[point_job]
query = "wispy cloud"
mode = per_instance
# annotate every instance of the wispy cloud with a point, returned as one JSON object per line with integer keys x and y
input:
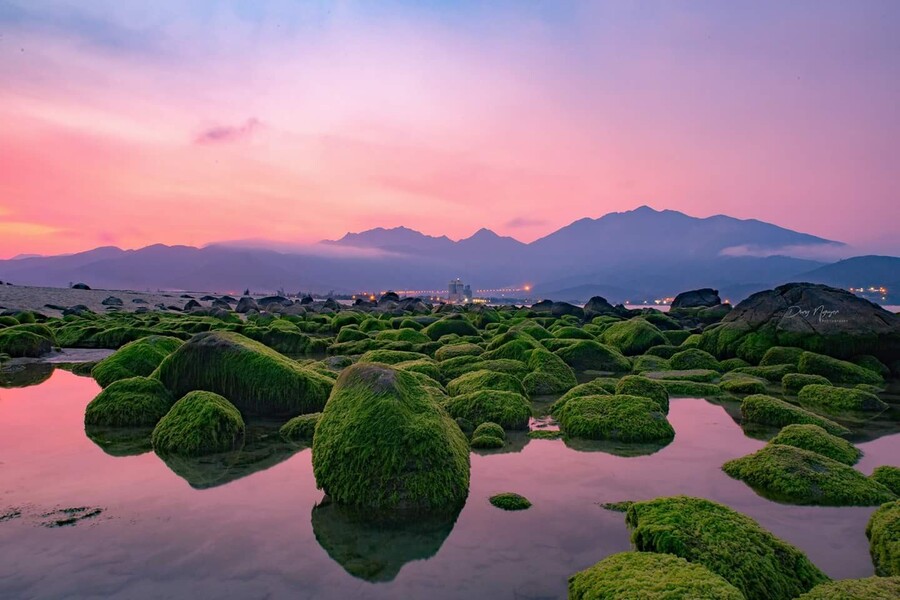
{"x": 521, "y": 222}
{"x": 224, "y": 134}
{"x": 828, "y": 251}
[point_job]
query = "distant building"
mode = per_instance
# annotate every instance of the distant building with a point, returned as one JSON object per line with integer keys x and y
{"x": 458, "y": 292}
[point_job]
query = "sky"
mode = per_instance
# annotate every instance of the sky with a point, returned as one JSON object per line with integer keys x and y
{"x": 133, "y": 123}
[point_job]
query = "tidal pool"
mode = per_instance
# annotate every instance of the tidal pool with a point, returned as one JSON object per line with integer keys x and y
{"x": 108, "y": 518}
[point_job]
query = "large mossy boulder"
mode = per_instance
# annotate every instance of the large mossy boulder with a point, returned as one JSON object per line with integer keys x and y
{"x": 18, "y": 342}
{"x": 384, "y": 444}
{"x": 796, "y": 476}
{"x": 870, "y": 588}
{"x": 509, "y": 409}
{"x": 815, "y": 439}
{"x": 132, "y": 402}
{"x": 199, "y": 423}
{"x": 649, "y": 576}
{"x": 451, "y": 324}
{"x": 883, "y": 531}
{"x": 836, "y": 370}
{"x": 814, "y": 317}
{"x": 693, "y": 358}
{"x": 135, "y": 359}
{"x": 255, "y": 378}
{"x": 768, "y": 410}
{"x": 635, "y": 385}
{"x": 455, "y": 350}
{"x": 634, "y": 336}
{"x": 830, "y": 398}
{"x": 888, "y": 476}
{"x": 794, "y": 382}
{"x": 549, "y": 374}
{"x": 586, "y": 355}
{"x": 726, "y": 542}
{"x": 619, "y": 418}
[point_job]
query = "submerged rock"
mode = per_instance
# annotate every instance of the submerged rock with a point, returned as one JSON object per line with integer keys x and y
{"x": 416, "y": 457}
{"x": 200, "y": 423}
{"x": 726, "y": 542}
{"x": 649, "y": 576}
{"x": 510, "y": 501}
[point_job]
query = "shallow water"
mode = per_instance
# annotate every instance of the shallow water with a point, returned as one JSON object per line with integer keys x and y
{"x": 256, "y": 536}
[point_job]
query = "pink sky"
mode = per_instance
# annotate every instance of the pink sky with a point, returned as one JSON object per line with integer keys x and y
{"x": 130, "y": 126}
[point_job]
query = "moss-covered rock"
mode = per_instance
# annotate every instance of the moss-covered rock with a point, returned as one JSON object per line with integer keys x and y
{"x": 350, "y": 334}
{"x": 693, "y": 358}
{"x": 510, "y": 501}
{"x": 383, "y": 443}
{"x": 794, "y": 382}
{"x": 510, "y": 409}
{"x": 135, "y": 359}
{"x": 649, "y": 576}
{"x": 549, "y": 374}
{"x": 648, "y": 362}
{"x": 301, "y": 428}
{"x": 403, "y": 335}
{"x": 767, "y": 410}
{"x": 635, "y": 385}
{"x": 835, "y": 370}
{"x": 17, "y": 342}
{"x": 452, "y": 324}
{"x": 739, "y": 383}
{"x": 454, "y": 350}
{"x": 132, "y": 402}
{"x": 619, "y": 418}
{"x": 774, "y": 373}
{"x": 797, "y": 476}
{"x": 870, "y": 588}
{"x": 601, "y": 386}
{"x": 484, "y": 380}
{"x": 486, "y": 442}
{"x": 199, "y": 423}
{"x": 390, "y": 357}
{"x": 781, "y": 355}
{"x": 255, "y": 378}
{"x": 489, "y": 429}
{"x": 697, "y": 375}
{"x": 883, "y": 531}
{"x": 572, "y": 333}
{"x": 888, "y": 476}
{"x": 833, "y": 398}
{"x": 815, "y": 439}
{"x": 691, "y": 389}
{"x": 730, "y": 364}
{"x": 726, "y": 542}
{"x": 634, "y": 336}
{"x": 586, "y": 355}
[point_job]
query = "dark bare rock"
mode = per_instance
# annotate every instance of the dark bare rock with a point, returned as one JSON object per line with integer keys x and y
{"x": 557, "y": 309}
{"x": 598, "y": 305}
{"x": 306, "y": 300}
{"x": 81, "y": 286}
{"x": 77, "y": 310}
{"x": 112, "y": 301}
{"x": 191, "y": 304}
{"x": 246, "y": 304}
{"x": 697, "y": 298}
{"x": 139, "y": 301}
{"x": 389, "y": 297}
{"x": 267, "y": 301}
{"x": 218, "y": 303}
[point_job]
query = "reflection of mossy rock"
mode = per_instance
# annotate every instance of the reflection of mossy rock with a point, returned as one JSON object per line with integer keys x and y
{"x": 620, "y": 418}
{"x": 509, "y": 409}
{"x": 199, "y": 423}
{"x": 833, "y": 398}
{"x": 835, "y": 370}
{"x": 870, "y": 588}
{"x": 586, "y": 355}
{"x": 255, "y": 378}
{"x": 767, "y": 410}
{"x": 797, "y": 476}
{"x": 135, "y": 359}
{"x": 384, "y": 443}
{"x": 120, "y": 441}
{"x": 883, "y": 531}
{"x": 375, "y": 549}
{"x": 888, "y": 476}
{"x": 484, "y": 380}
{"x": 794, "y": 382}
{"x": 131, "y": 402}
{"x": 24, "y": 375}
{"x": 815, "y": 439}
{"x": 649, "y": 576}
{"x": 634, "y": 336}
{"x": 301, "y": 428}
{"x": 510, "y": 501}
{"x": 635, "y": 385}
{"x": 724, "y": 541}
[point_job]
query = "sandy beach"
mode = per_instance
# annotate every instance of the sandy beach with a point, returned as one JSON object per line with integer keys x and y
{"x": 46, "y": 299}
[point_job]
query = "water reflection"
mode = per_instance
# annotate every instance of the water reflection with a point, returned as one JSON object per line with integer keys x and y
{"x": 24, "y": 375}
{"x": 374, "y": 548}
{"x": 624, "y": 449}
{"x": 120, "y": 441}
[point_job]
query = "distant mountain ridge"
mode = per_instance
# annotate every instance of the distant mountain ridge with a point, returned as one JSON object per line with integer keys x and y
{"x": 633, "y": 255}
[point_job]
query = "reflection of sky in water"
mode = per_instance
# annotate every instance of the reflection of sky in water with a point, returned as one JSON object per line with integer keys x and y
{"x": 253, "y": 537}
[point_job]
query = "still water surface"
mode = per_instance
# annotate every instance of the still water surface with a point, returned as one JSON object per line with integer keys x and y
{"x": 257, "y": 536}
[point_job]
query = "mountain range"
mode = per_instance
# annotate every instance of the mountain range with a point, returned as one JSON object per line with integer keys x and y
{"x": 633, "y": 255}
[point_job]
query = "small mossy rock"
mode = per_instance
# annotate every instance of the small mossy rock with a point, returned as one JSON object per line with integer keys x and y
{"x": 390, "y": 357}
{"x": 17, "y": 343}
{"x": 510, "y": 501}
{"x": 135, "y": 359}
{"x": 815, "y": 439}
{"x": 301, "y": 428}
{"x": 634, "y": 336}
{"x": 586, "y": 355}
{"x": 889, "y": 477}
{"x": 619, "y": 418}
{"x": 743, "y": 384}
{"x": 794, "y": 382}
{"x": 453, "y": 324}
{"x": 454, "y": 350}
{"x": 199, "y": 423}
{"x": 833, "y": 398}
{"x": 635, "y": 385}
{"x": 835, "y": 370}
{"x": 649, "y": 576}
{"x": 883, "y": 531}
{"x": 797, "y": 476}
{"x": 383, "y": 443}
{"x": 781, "y": 355}
{"x": 132, "y": 402}
{"x": 693, "y": 358}
{"x": 509, "y": 409}
{"x": 601, "y": 386}
{"x": 767, "y": 410}
{"x": 649, "y": 362}
{"x": 489, "y": 429}
{"x": 484, "y": 380}
{"x": 549, "y": 374}
{"x": 724, "y": 541}
{"x": 255, "y": 378}
{"x": 696, "y": 375}
{"x": 486, "y": 442}
{"x": 870, "y": 588}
